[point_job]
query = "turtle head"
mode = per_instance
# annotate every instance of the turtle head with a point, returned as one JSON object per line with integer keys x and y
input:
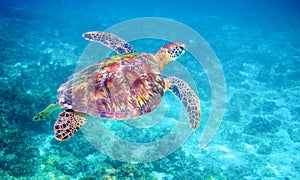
{"x": 170, "y": 52}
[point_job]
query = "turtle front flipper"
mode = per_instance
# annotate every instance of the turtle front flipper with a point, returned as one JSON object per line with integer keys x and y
{"x": 46, "y": 112}
{"x": 187, "y": 96}
{"x": 67, "y": 124}
{"x": 112, "y": 41}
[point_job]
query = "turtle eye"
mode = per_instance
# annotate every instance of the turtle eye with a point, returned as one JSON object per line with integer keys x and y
{"x": 181, "y": 47}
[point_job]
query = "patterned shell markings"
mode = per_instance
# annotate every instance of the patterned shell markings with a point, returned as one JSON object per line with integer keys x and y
{"x": 119, "y": 87}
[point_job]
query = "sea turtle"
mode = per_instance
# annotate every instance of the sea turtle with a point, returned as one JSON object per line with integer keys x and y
{"x": 121, "y": 87}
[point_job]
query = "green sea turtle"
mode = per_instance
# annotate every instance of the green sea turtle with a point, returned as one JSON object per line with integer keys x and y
{"x": 121, "y": 87}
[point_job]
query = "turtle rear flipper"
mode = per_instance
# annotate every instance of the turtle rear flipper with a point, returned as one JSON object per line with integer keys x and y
{"x": 46, "y": 112}
{"x": 67, "y": 124}
{"x": 112, "y": 41}
{"x": 188, "y": 97}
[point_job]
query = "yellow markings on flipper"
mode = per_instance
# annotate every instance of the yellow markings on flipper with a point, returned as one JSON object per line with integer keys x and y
{"x": 67, "y": 124}
{"x": 46, "y": 112}
{"x": 188, "y": 98}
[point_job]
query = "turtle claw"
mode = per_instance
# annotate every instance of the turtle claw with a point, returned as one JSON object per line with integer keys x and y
{"x": 67, "y": 124}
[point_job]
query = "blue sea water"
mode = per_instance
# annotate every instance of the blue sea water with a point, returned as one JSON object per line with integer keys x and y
{"x": 257, "y": 47}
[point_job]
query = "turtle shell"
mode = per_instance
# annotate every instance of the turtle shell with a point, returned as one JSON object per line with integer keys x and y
{"x": 120, "y": 87}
